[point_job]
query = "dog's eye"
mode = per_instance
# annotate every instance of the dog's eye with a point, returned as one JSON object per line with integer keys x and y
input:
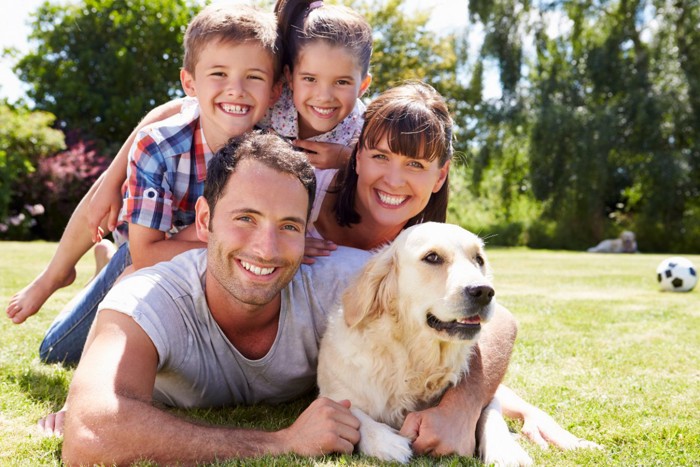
{"x": 433, "y": 258}
{"x": 480, "y": 260}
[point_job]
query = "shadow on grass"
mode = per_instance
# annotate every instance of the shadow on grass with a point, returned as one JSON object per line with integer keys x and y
{"x": 47, "y": 385}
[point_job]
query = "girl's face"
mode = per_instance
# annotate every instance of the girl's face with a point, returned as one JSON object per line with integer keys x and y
{"x": 325, "y": 83}
{"x": 392, "y": 188}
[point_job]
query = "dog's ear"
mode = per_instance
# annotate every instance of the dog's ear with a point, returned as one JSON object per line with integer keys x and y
{"x": 374, "y": 290}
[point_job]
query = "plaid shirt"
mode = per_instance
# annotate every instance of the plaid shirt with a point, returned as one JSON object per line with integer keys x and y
{"x": 166, "y": 172}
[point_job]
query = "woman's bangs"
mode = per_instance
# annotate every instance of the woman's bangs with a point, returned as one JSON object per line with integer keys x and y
{"x": 406, "y": 134}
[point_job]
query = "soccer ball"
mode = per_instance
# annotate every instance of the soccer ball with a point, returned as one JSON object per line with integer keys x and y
{"x": 676, "y": 274}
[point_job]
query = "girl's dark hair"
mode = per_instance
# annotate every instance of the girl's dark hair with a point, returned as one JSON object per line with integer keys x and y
{"x": 301, "y": 22}
{"x": 266, "y": 148}
{"x": 416, "y": 122}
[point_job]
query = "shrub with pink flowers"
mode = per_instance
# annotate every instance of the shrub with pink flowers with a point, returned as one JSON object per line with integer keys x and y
{"x": 59, "y": 184}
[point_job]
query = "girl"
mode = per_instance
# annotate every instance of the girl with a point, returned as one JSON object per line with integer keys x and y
{"x": 320, "y": 103}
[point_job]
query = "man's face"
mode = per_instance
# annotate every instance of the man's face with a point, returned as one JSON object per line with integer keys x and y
{"x": 256, "y": 235}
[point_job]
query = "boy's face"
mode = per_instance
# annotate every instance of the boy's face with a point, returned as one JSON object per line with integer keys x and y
{"x": 325, "y": 83}
{"x": 234, "y": 84}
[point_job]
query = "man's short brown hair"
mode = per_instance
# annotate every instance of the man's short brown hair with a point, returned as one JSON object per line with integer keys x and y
{"x": 267, "y": 148}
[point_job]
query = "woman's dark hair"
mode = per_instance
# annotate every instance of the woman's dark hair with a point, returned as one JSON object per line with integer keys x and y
{"x": 301, "y": 22}
{"x": 416, "y": 123}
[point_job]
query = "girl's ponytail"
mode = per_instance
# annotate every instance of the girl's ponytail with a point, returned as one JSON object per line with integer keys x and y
{"x": 300, "y": 22}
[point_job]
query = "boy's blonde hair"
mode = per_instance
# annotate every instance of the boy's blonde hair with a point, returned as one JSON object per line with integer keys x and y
{"x": 231, "y": 24}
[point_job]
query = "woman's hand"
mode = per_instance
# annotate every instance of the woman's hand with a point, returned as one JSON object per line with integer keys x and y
{"x": 324, "y": 155}
{"x": 316, "y": 247}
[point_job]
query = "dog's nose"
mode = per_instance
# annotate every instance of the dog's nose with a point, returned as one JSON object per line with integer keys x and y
{"x": 481, "y": 294}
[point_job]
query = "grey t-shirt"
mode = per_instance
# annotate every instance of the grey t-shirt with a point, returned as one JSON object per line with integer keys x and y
{"x": 197, "y": 365}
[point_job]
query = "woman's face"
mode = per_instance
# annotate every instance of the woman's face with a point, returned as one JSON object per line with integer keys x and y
{"x": 392, "y": 188}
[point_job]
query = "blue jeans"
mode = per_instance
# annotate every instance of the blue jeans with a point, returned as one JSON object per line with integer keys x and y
{"x": 65, "y": 339}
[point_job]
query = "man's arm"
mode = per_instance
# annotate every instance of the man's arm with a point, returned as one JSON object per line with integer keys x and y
{"x": 111, "y": 419}
{"x": 450, "y": 427}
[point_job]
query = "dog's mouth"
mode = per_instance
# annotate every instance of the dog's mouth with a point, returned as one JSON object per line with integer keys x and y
{"x": 465, "y": 328}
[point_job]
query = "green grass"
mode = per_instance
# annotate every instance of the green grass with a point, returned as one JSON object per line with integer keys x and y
{"x": 606, "y": 354}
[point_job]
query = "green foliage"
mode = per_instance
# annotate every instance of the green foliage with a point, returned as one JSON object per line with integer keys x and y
{"x": 99, "y": 65}
{"x": 404, "y": 48}
{"x": 25, "y": 138}
{"x": 607, "y": 109}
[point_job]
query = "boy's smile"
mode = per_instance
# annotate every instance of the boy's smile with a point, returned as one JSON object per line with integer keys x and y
{"x": 234, "y": 84}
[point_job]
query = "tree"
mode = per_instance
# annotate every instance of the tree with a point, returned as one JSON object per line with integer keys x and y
{"x": 608, "y": 105}
{"x": 100, "y": 65}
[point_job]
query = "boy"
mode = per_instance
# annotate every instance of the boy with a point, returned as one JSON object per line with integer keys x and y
{"x": 231, "y": 67}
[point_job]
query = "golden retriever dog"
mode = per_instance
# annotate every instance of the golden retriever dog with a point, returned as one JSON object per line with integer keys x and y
{"x": 404, "y": 334}
{"x": 626, "y": 243}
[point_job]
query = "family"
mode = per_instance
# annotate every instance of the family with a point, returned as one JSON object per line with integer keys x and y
{"x": 248, "y": 207}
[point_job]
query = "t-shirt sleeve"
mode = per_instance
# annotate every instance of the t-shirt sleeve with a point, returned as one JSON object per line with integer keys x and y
{"x": 149, "y": 195}
{"x": 155, "y": 311}
{"x": 329, "y": 276}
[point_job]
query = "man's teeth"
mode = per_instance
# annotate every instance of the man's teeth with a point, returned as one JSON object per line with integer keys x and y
{"x": 258, "y": 271}
{"x": 324, "y": 110}
{"x": 235, "y": 109}
{"x": 392, "y": 200}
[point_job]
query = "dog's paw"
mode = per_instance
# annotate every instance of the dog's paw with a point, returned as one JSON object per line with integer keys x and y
{"x": 385, "y": 444}
{"x": 381, "y": 441}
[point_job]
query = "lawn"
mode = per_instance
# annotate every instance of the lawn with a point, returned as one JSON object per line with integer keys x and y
{"x": 600, "y": 348}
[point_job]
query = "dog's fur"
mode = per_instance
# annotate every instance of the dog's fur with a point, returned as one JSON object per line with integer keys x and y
{"x": 405, "y": 334}
{"x": 626, "y": 243}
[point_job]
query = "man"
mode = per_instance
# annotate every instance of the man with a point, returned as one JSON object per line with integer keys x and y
{"x": 238, "y": 323}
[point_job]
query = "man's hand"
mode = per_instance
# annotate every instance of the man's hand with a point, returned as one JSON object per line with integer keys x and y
{"x": 441, "y": 431}
{"x": 52, "y": 424}
{"x": 324, "y": 427}
{"x": 324, "y": 155}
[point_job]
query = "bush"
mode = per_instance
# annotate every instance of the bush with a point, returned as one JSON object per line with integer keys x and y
{"x": 60, "y": 182}
{"x": 25, "y": 138}
{"x": 18, "y": 226}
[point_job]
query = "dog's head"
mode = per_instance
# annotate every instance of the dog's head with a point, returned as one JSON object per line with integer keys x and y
{"x": 433, "y": 276}
{"x": 629, "y": 242}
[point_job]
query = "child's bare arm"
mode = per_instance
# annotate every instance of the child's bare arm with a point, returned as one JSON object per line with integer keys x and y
{"x": 107, "y": 199}
{"x": 150, "y": 246}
